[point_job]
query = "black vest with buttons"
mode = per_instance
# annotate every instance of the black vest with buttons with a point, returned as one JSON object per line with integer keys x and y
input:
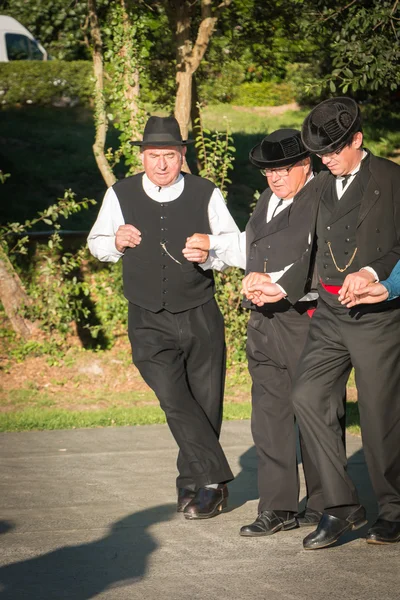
{"x": 337, "y": 224}
{"x": 273, "y": 246}
{"x": 152, "y": 279}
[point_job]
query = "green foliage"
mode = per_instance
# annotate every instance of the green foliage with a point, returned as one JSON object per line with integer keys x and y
{"x": 229, "y": 299}
{"x": 56, "y": 291}
{"x": 215, "y": 153}
{"x": 44, "y": 83}
{"x": 265, "y": 93}
{"x": 220, "y": 85}
{"x": 357, "y": 44}
{"x": 123, "y": 60}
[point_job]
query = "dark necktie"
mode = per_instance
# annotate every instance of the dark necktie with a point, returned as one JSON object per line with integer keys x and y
{"x": 276, "y": 208}
{"x": 345, "y": 180}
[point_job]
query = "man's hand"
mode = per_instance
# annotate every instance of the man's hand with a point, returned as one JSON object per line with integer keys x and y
{"x": 199, "y": 241}
{"x": 194, "y": 255}
{"x": 374, "y": 293}
{"x": 258, "y": 288}
{"x": 127, "y": 236}
{"x": 355, "y": 283}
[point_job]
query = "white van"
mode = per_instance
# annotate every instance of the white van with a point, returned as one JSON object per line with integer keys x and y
{"x": 17, "y": 43}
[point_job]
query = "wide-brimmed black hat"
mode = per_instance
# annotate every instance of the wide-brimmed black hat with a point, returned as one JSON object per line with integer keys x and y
{"x": 162, "y": 131}
{"x": 330, "y": 124}
{"x": 279, "y": 149}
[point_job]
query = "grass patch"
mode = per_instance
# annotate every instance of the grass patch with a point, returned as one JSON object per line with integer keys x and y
{"x": 47, "y": 419}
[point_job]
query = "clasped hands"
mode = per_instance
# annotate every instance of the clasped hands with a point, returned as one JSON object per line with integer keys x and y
{"x": 361, "y": 288}
{"x": 128, "y": 236}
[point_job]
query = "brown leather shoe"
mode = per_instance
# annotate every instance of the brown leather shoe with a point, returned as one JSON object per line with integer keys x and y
{"x": 207, "y": 503}
{"x": 184, "y": 497}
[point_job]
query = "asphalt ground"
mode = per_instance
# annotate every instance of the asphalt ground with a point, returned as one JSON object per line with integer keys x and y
{"x": 91, "y": 513}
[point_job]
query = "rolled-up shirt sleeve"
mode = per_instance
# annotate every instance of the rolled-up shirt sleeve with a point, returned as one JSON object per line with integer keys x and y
{"x": 101, "y": 239}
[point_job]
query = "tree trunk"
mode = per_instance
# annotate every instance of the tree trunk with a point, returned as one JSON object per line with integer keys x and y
{"x": 13, "y": 297}
{"x": 189, "y": 54}
{"x": 131, "y": 78}
{"x": 100, "y": 108}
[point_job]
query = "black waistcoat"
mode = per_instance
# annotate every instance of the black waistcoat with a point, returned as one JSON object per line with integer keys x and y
{"x": 337, "y": 224}
{"x": 283, "y": 240}
{"x": 152, "y": 279}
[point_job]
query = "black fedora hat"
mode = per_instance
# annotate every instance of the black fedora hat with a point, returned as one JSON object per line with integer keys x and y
{"x": 330, "y": 124}
{"x": 162, "y": 131}
{"x": 279, "y": 149}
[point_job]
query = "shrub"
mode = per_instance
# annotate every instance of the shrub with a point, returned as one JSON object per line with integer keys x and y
{"x": 220, "y": 86}
{"x": 264, "y": 93}
{"x": 44, "y": 83}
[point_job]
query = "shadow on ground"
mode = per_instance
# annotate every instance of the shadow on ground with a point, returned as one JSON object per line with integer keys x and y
{"x": 82, "y": 571}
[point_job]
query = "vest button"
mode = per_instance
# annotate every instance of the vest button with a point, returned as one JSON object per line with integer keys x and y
{"x": 325, "y": 266}
{"x": 379, "y": 249}
{"x": 165, "y": 303}
{"x": 377, "y": 230}
{"x": 376, "y": 192}
{"x": 164, "y": 291}
{"x": 163, "y": 266}
{"x": 328, "y": 278}
{"x": 254, "y": 245}
{"x": 347, "y": 226}
{"x": 345, "y": 252}
{"x": 164, "y": 241}
{"x": 164, "y": 229}
{"x": 268, "y": 247}
{"x": 328, "y": 227}
{"x": 163, "y": 253}
{"x": 163, "y": 217}
{"x": 165, "y": 279}
{"x": 326, "y": 253}
{"x": 347, "y": 240}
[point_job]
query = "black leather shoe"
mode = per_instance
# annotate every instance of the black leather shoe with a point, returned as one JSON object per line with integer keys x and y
{"x": 268, "y": 522}
{"x": 309, "y": 517}
{"x": 184, "y": 497}
{"x": 384, "y": 532}
{"x": 330, "y": 529}
{"x": 207, "y": 503}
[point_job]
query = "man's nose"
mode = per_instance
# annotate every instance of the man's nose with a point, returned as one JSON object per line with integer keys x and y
{"x": 275, "y": 176}
{"x": 162, "y": 163}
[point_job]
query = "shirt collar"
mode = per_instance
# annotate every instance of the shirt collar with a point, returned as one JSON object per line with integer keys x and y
{"x": 149, "y": 186}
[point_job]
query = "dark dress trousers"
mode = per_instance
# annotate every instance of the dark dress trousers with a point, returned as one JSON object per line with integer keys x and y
{"x": 367, "y": 217}
{"x": 175, "y": 327}
{"x": 276, "y": 336}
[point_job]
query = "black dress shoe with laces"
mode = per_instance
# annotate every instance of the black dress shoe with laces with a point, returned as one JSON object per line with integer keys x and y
{"x": 269, "y": 522}
{"x": 184, "y": 497}
{"x": 309, "y": 517}
{"x": 331, "y": 528}
{"x": 384, "y": 532}
{"x": 207, "y": 503}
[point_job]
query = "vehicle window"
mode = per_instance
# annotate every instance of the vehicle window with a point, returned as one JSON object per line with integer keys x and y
{"x": 34, "y": 51}
{"x": 20, "y": 47}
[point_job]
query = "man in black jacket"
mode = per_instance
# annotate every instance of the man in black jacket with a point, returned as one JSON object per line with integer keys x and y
{"x": 356, "y": 242}
{"x": 175, "y": 327}
{"x": 276, "y": 237}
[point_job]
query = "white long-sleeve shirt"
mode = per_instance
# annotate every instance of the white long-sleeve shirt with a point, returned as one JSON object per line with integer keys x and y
{"x": 101, "y": 240}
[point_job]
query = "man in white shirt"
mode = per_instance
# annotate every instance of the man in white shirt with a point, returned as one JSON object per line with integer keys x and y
{"x": 175, "y": 327}
{"x": 276, "y": 237}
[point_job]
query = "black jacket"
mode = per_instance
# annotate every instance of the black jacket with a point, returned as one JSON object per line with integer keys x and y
{"x": 378, "y": 227}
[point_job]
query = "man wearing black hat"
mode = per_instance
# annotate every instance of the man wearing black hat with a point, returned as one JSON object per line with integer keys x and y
{"x": 175, "y": 327}
{"x": 356, "y": 237}
{"x": 275, "y": 239}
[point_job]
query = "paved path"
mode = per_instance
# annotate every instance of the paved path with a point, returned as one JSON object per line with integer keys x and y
{"x": 90, "y": 514}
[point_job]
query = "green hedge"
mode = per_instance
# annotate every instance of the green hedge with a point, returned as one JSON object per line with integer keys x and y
{"x": 264, "y": 93}
{"x": 45, "y": 83}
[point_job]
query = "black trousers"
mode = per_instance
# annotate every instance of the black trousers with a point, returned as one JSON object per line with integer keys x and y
{"x": 274, "y": 345}
{"x": 368, "y": 338}
{"x": 182, "y": 358}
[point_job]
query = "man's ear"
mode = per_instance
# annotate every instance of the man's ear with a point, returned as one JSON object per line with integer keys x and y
{"x": 141, "y": 155}
{"x": 357, "y": 140}
{"x": 184, "y": 148}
